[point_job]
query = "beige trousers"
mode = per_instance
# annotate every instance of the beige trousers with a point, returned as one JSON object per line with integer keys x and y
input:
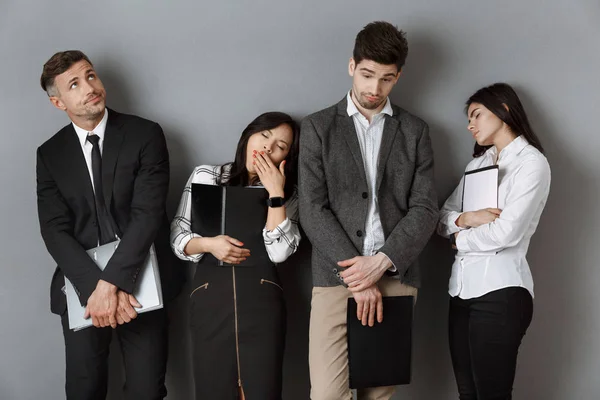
{"x": 328, "y": 346}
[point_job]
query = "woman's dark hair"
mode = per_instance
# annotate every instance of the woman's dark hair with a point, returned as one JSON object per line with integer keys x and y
{"x": 238, "y": 173}
{"x": 497, "y": 98}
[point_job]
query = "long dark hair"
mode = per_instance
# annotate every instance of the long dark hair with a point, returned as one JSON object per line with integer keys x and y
{"x": 495, "y": 97}
{"x": 238, "y": 173}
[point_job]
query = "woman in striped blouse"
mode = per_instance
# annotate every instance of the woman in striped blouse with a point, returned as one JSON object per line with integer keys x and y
{"x": 237, "y": 314}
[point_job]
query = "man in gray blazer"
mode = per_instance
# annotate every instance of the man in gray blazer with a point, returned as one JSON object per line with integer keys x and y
{"x": 367, "y": 204}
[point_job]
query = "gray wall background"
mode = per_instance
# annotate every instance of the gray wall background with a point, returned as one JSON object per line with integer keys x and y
{"x": 205, "y": 69}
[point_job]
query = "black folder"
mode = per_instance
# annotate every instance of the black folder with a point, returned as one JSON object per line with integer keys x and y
{"x": 236, "y": 211}
{"x": 381, "y": 355}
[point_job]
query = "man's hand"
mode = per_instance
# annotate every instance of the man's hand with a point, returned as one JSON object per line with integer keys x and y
{"x": 125, "y": 311}
{"x": 102, "y": 305}
{"x": 369, "y": 305}
{"x": 364, "y": 271}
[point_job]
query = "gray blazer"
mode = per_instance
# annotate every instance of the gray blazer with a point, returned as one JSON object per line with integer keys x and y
{"x": 332, "y": 181}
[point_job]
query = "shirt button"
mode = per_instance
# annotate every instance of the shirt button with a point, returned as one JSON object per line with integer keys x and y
{"x": 359, "y": 233}
{"x": 365, "y": 195}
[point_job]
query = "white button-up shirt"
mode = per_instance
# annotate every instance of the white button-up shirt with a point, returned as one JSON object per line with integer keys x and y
{"x": 369, "y": 138}
{"x": 492, "y": 256}
{"x": 87, "y": 147}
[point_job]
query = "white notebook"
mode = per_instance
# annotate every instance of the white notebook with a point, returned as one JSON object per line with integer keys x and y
{"x": 480, "y": 189}
{"x": 148, "y": 291}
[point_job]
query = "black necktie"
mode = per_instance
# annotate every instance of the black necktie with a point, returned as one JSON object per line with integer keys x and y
{"x": 105, "y": 228}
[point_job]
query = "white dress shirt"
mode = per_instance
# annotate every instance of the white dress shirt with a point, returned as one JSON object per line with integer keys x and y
{"x": 87, "y": 147}
{"x": 369, "y": 138}
{"x": 492, "y": 256}
{"x": 280, "y": 243}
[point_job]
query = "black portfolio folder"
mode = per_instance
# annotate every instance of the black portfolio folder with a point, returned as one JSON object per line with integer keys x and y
{"x": 381, "y": 355}
{"x": 236, "y": 211}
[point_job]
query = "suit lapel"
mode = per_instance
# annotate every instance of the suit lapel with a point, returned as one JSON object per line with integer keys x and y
{"x": 113, "y": 138}
{"x": 390, "y": 129}
{"x": 347, "y": 130}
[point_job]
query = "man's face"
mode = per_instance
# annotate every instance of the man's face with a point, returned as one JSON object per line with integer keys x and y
{"x": 80, "y": 92}
{"x": 372, "y": 82}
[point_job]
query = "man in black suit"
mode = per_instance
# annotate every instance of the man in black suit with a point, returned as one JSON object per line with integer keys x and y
{"x": 104, "y": 175}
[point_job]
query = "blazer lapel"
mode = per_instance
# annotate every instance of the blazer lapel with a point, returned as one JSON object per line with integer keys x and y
{"x": 113, "y": 137}
{"x": 347, "y": 130}
{"x": 390, "y": 129}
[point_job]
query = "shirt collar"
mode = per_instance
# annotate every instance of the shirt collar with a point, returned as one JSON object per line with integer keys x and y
{"x": 352, "y": 110}
{"x": 99, "y": 130}
{"x": 514, "y": 147}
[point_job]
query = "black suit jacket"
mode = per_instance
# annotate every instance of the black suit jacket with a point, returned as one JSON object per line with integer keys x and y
{"x": 135, "y": 177}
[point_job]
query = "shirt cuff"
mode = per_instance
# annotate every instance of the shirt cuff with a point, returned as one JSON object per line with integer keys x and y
{"x": 393, "y": 267}
{"x": 180, "y": 248}
{"x": 275, "y": 234}
{"x": 451, "y": 222}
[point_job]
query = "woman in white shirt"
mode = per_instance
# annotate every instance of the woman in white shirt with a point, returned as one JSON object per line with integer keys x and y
{"x": 491, "y": 287}
{"x": 237, "y": 313}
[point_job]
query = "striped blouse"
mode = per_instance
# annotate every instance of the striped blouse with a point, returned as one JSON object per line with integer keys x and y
{"x": 280, "y": 243}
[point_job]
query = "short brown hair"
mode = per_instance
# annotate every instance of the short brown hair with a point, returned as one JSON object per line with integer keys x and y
{"x": 57, "y": 64}
{"x": 381, "y": 42}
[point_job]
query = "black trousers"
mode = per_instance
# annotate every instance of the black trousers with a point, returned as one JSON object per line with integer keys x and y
{"x": 143, "y": 343}
{"x": 237, "y": 326}
{"x": 485, "y": 334}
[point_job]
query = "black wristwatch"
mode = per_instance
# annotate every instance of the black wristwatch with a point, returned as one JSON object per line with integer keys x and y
{"x": 275, "y": 202}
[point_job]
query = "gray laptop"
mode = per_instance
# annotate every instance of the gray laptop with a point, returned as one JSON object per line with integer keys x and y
{"x": 148, "y": 290}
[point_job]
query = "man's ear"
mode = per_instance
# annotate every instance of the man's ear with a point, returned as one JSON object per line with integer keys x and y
{"x": 56, "y": 102}
{"x": 398, "y": 75}
{"x": 351, "y": 66}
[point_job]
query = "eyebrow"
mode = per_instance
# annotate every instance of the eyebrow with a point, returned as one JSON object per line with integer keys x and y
{"x": 471, "y": 116}
{"x": 373, "y": 72}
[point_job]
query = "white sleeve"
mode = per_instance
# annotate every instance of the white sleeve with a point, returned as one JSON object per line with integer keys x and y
{"x": 181, "y": 226}
{"x": 532, "y": 183}
{"x": 283, "y": 241}
{"x": 450, "y": 212}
